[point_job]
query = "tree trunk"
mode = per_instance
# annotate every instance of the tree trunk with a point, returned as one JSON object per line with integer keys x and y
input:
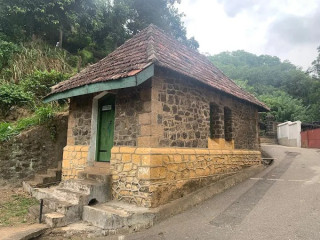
{"x": 60, "y": 37}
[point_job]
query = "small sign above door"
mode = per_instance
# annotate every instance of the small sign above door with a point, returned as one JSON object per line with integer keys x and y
{"x": 106, "y": 108}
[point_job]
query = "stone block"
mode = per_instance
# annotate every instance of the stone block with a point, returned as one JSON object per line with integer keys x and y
{"x": 127, "y": 149}
{"x": 147, "y": 106}
{"x": 177, "y": 158}
{"x": 158, "y": 172}
{"x": 127, "y": 167}
{"x": 84, "y": 155}
{"x": 144, "y": 141}
{"x": 145, "y": 130}
{"x": 144, "y": 119}
{"x": 146, "y": 160}
{"x": 126, "y": 157}
{"x": 142, "y": 150}
{"x": 115, "y": 149}
{"x": 136, "y": 159}
{"x": 65, "y": 164}
{"x": 156, "y": 160}
{"x": 144, "y": 173}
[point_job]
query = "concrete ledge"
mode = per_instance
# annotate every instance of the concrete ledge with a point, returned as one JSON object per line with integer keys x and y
{"x": 22, "y": 232}
{"x": 192, "y": 199}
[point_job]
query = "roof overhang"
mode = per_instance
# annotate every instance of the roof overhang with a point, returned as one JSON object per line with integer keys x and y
{"x": 131, "y": 81}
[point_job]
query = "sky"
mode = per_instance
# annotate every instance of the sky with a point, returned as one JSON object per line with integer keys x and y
{"x": 288, "y": 29}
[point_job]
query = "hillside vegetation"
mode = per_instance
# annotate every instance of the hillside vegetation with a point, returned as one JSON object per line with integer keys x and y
{"x": 290, "y": 93}
{"x": 43, "y": 42}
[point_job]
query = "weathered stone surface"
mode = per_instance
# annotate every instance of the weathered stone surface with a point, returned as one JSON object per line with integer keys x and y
{"x": 79, "y": 124}
{"x": 184, "y": 106}
{"x": 32, "y": 152}
{"x": 154, "y": 176}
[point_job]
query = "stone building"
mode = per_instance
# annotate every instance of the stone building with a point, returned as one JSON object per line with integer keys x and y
{"x": 159, "y": 119}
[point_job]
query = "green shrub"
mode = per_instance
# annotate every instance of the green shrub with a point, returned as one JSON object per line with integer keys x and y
{"x": 13, "y": 95}
{"x": 40, "y": 82}
{"x": 7, "y": 49}
{"x": 86, "y": 56}
{"x": 42, "y": 116}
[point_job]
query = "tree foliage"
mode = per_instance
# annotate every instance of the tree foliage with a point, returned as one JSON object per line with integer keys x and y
{"x": 96, "y": 26}
{"x": 290, "y": 93}
{"x": 315, "y": 68}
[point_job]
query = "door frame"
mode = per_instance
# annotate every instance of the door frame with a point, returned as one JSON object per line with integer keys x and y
{"x": 94, "y": 127}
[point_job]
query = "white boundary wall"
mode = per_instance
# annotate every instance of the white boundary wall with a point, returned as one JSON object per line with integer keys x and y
{"x": 288, "y": 134}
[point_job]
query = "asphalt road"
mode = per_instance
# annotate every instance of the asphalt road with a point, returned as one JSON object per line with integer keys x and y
{"x": 282, "y": 202}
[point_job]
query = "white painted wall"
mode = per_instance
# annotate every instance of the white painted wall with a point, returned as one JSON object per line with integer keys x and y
{"x": 288, "y": 134}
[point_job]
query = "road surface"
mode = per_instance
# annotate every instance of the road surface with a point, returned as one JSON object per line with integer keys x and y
{"x": 280, "y": 203}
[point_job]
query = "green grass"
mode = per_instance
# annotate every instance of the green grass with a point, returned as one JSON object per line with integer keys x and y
{"x": 42, "y": 115}
{"x": 15, "y": 210}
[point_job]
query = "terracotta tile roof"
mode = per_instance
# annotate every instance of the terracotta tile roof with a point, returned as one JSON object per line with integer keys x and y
{"x": 152, "y": 45}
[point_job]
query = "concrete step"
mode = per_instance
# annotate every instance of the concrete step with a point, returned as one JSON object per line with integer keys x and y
{"x": 118, "y": 216}
{"x": 94, "y": 175}
{"x": 55, "y": 219}
{"x": 71, "y": 196}
{"x": 64, "y": 212}
{"x": 101, "y": 191}
{"x": 34, "y": 212}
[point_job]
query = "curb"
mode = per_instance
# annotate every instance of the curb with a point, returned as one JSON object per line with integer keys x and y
{"x": 23, "y": 232}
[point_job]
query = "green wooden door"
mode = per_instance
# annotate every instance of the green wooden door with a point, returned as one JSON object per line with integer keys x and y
{"x": 105, "y": 129}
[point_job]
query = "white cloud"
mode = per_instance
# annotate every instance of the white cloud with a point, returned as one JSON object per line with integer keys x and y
{"x": 285, "y": 28}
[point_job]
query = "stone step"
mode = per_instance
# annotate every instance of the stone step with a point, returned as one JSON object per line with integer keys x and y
{"x": 68, "y": 212}
{"x": 94, "y": 175}
{"x": 118, "y": 216}
{"x": 55, "y": 219}
{"x": 101, "y": 191}
{"x": 64, "y": 207}
{"x": 71, "y": 196}
{"x": 45, "y": 179}
{"x": 34, "y": 212}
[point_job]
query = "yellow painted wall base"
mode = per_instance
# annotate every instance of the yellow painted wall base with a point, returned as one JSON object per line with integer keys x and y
{"x": 150, "y": 177}
{"x": 74, "y": 160}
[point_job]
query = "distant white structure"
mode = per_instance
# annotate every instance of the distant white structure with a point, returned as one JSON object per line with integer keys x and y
{"x": 288, "y": 134}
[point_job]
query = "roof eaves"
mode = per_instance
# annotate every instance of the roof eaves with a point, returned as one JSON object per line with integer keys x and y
{"x": 130, "y": 81}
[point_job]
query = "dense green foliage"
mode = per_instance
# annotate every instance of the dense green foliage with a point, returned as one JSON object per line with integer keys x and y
{"x": 290, "y": 93}
{"x": 13, "y": 95}
{"x": 42, "y": 115}
{"x": 43, "y": 42}
{"x": 39, "y": 83}
{"x": 97, "y": 26}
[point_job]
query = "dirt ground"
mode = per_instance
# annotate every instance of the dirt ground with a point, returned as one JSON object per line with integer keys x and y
{"x": 14, "y": 205}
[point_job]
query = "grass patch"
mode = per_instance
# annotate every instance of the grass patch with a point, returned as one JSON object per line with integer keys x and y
{"x": 15, "y": 209}
{"x": 43, "y": 115}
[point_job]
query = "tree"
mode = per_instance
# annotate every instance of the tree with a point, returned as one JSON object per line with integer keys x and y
{"x": 161, "y": 13}
{"x": 315, "y": 68}
{"x": 265, "y": 76}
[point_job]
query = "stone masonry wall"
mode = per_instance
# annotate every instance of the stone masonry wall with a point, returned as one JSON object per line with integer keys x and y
{"x": 74, "y": 161}
{"x": 79, "y": 123}
{"x": 32, "y": 152}
{"x": 150, "y": 177}
{"x": 181, "y": 114}
{"x": 132, "y": 105}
